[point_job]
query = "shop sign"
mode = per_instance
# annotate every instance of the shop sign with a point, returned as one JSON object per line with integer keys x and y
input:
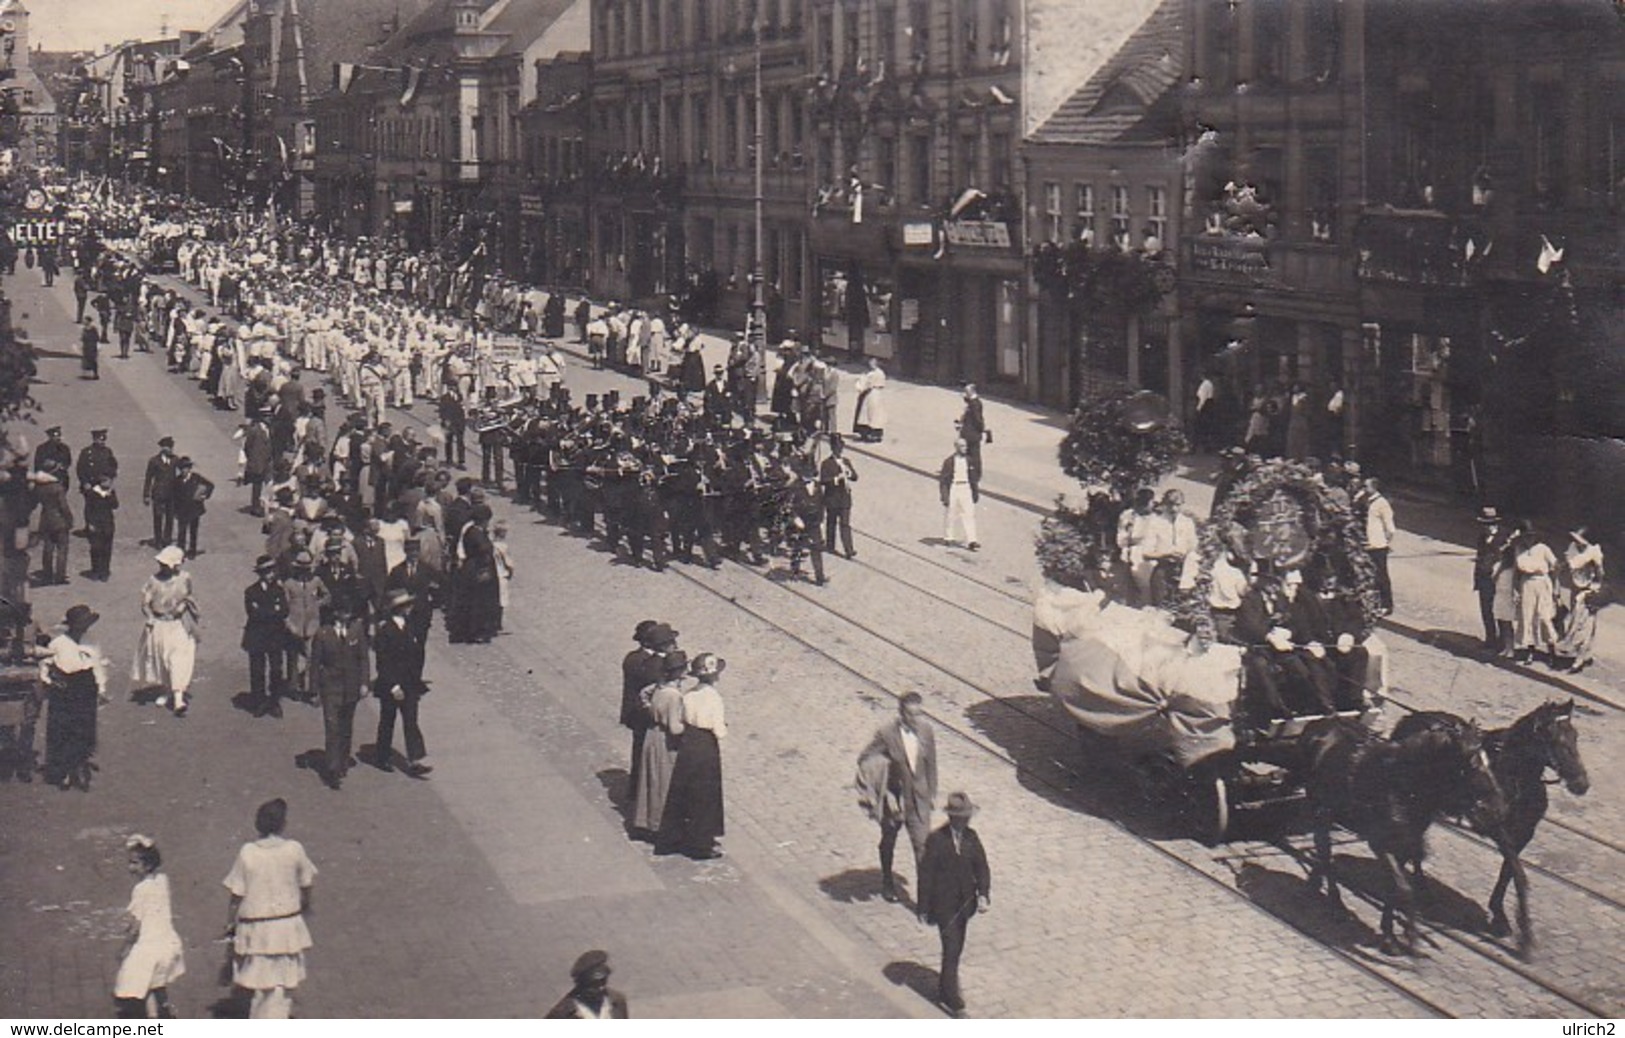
{"x": 36, "y": 230}
{"x": 980, "y": 234}
{"x": 918, "y": 232}
{"x": 1229, "y": 255}
{"x": 531, "y": 205}
{"x": 402, "y": 206}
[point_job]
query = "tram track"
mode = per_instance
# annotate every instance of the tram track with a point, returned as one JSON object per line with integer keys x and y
{"x": 1060, "y": 775}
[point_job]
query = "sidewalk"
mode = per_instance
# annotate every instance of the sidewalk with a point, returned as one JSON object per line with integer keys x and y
{"x": 1432, "y": 571}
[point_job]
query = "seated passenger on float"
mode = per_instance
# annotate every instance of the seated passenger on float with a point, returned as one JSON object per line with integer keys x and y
{"x": 1347, "y": 657}
{"x": 1285, "y": 663}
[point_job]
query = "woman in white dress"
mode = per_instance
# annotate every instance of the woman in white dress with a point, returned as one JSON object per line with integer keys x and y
{"x": 270, "y": 885}
{"x": 1537, "y": 605}
{"x": 153, "y": 957}
{"x": 1583, "y": 575}
{"x": 504, "y": 561}
{"x": 167, "y": 653}
{"x": 869, "y": 420}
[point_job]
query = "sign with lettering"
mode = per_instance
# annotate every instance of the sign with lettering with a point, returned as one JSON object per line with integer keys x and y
{"x": 531, "y": 205}
{"x": 978, "y": 234}
{"x": 1230, "y": 255}
{"x": 37, "y": 230}
{"x": 918, "y": 232}
{"x": 508, "y": 348}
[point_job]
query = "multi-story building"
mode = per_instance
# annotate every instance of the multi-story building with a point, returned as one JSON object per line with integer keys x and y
{"x": 553, "y": 201}
{"x": 1370, "y": 189}
{"x": 672, "y": 154}
{"x": 1103, "y": 184}
{"x": 23, "y": 95}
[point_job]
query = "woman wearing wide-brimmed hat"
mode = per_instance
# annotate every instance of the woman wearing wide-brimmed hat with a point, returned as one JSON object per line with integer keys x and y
{"x": 167, "y": 652}
{"x": 74, "y": 674}
{"x": 692, "y": 820}
{"x": 1582, "y": 584}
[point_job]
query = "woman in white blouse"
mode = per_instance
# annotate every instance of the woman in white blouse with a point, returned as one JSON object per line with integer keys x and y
{"x": 692, "y": 820}
{"x": 1537, "y": 605}
{"x": 74, "y": 675}
{"x": 270, "y": 885}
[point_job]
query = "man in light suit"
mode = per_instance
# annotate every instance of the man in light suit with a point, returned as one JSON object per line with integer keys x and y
{"x": 954, "y": 885}
{"x": 339, "y": 676}
{"x": 897, "y": 779}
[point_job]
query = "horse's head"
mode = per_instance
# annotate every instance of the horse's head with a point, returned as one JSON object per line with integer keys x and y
{"x": 1555, "y": 735}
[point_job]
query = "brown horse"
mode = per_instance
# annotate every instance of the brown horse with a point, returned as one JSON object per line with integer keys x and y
{"x": 1519, "y": 756}
{"x": 1389, "y": 791}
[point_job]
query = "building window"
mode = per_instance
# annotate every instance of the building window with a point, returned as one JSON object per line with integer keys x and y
{"x": 826, "y": 39}
{"x": 674, "y": 22}
{"x": 970, "y": 160}
{"x": 702, "y": 130}
{"x": 702, "y": 248}
{"x": 1083, "y": 216}
{"x": 1000, "y": 158}
{"x": 826, "y": 160}
{"x": 730, "y": 132}
{"x": 970, "y": 40}
{"x": 620, "y": 31}
{"x": 1002, "y": 38}
{"x": 792, "y": 266}
{"x": 1053, "y": 222}
{"x": 655, "y": 39}
{"x": 1219, "y": 44}
{"x": 885, "y": 39}
{"x": 1546, "y": 110}
{"x": 851, "y": 40}
{"x": 919, "y": 33}
{"x": 637, "y": 27}
{"x": 919, "y": 169}
{"x": 1121, "y": 216}
{"x": 886, "y": 168}
{"x": 1320, "y": 192}
{"x": 702, "y": 21}
{"x": 774, "y": 133}
{"x": 1156, "y": 214}
{"x": 1269, "y": 40}
{"x": 1324, "y": 35}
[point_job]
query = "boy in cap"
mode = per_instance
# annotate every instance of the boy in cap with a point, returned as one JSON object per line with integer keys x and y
{"x": 591, "y": 998}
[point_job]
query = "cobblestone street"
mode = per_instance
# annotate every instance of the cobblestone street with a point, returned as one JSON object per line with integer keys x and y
{"x": 471, "y": 892}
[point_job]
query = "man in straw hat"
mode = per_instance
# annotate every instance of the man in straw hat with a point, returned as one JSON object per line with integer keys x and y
{"x": 398, "y": 685}
{"x": 1493, "y": 534}
{"x": 591, "y": 998}
{"x": 954, "y": 885}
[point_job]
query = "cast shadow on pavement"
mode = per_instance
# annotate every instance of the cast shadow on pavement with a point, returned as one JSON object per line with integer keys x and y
{"x": 922, "y": 980}
{"x": 1436, "y": 901}
{"x": 1468, "y": 647}
{"x": 1287, "y": 896}
{"x": 860, "y": 886}
{"x": 1053, "y": 762}
{"x": 617, "y": 786}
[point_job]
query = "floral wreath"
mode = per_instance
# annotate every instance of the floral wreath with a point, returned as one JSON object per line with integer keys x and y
{"x": 1337, "y": 540}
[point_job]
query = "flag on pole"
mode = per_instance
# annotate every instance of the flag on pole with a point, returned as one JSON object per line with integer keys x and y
{"x": 969, "y": 195}
{"x": 1549, "y": 254}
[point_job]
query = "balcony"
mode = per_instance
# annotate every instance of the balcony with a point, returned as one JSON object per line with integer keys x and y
{"x": 1418, "y": 247}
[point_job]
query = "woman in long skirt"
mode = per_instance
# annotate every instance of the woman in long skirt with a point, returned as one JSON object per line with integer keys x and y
{"x": 869, "y": 420}
{"x": 270, "y": 885}
{"x": 692, "y": 820}
{"x": 154, "y": 957}
{"x": 1583, "y": 582}
{"x": 664, "y": 704}
{"x": 1537, "y": 605}
{"x": 75, "y": 678}
{"x": 167, "y": 653}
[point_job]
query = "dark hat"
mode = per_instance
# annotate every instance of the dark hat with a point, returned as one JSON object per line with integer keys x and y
{"x": 167, "y": 441}
{"x": 590, "y": 964}
{"x": 55, "y": 430}
{"x": 1489, "y": 514}
{"x": 675, "y": 664}
{"x": 100, "y": 434}
{"x": 400, "y": 598}
{"x": 662, "y": 634}
{"x": 640, "y": 633}
{"x": 959, "y": 806}
{"x": 80, "y": 616}
{"x": 264, "y": 564}
{"x": 184, "y": 463}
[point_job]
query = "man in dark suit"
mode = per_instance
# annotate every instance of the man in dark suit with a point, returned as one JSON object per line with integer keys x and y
{"x": 338, "y": 677}
{"x": 807, "y": 505}
{"x": 897, "y": 778}
{"x": 265, "y": 636}
{"x": 973, "y": 425}
{"x": 455, "y": 423}
{"x": 371, "y": 562}
{"x": 642, "y": 667}
{"x": 421, "y": 582}
{"x": 101, "y": 501}
{"x": 954, "y": 885}
{"x": 399, "y": 686}
{"x": 95, "y": 461}
{"x": 1285, "y": 661}
{"x": 836, "y": 475}
{"x": 191, "y": 491}
{"x": 55, "y": 524}
{"x": 158, "y": 491}
{"x": 1492, "y": 545}
{"x": 257, "y": 458}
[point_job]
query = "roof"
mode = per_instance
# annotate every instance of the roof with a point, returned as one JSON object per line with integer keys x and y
{"x": 524, "y": 21}
{"x": 1113, "y": 106}
{"x": 427, "y": 35}
{"x": 347, "y": 31}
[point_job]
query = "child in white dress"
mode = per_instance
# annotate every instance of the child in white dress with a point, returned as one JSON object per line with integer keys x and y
{"x": 154, "y": 956}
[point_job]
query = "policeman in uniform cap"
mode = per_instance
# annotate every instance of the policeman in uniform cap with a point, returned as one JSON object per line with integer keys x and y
{"x": 53, "y": 452}
{"x": 591, "y": 998}
{"x": 158, "y": 491}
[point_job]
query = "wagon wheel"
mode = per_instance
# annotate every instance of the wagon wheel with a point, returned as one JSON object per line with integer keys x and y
{"x": 1206, "y": 805}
